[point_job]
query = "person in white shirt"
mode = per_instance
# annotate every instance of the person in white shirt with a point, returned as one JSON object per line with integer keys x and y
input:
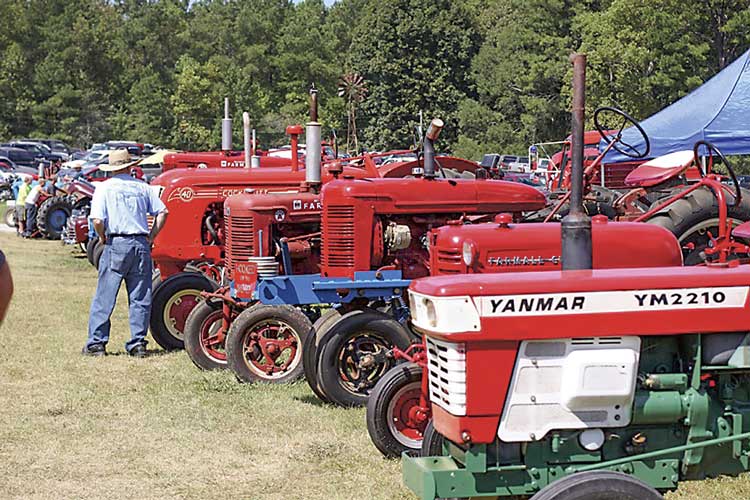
{"x": 31, "y": 208}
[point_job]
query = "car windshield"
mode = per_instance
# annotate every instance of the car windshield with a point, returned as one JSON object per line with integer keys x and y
{"x": 95, "y": 155}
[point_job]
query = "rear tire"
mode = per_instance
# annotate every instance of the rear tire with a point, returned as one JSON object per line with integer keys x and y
{"x": 90, "y": 245}
{"x": 53, "y": 215}
{"x": 96, "y": 254}
{"x": 10, "y": 217}
{"x": 342, "y": 352}
{"x": 691, "y": 217}
{"x": 390, "y": 422}
{"x": 203, "y": 324}
{"x": 598, "y": 485}
{"x": 172, "y": 302}
{"x": 265, "y": 343}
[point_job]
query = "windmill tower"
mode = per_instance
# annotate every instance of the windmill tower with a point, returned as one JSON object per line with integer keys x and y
{"x": 352, "y": 88}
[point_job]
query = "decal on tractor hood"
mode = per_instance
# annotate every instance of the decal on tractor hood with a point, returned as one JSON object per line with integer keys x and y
{"x": 307, "y": 205}
{"x": 614, "y": 301}
{"x": 518, "y": 260}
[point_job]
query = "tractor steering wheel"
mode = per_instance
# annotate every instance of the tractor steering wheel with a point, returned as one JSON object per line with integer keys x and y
{"x": 619, "y": 145}
{"x": 711, "y": 150}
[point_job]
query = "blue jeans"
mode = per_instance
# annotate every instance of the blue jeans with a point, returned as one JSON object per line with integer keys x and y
{"x": 31, "y": 210}
{"x": 129, "y": 259}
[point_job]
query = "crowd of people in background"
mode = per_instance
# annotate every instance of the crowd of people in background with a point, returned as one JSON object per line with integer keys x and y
{"x": 28, "y": 190}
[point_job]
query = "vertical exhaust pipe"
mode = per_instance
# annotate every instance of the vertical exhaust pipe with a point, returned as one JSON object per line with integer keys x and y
{"x": 254, "y": 159}
{"x": 313, "y": 146}
{"x": 428, "y": 147}
{"x": 226, "y": 129}
{"x": 246, "y": 137}
{"x": 576, "y": 226}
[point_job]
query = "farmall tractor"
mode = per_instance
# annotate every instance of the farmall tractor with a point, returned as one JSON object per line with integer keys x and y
{"x": 370, "y": 243}
{"x": 583, "y": 384}
{"x": 189, "y": 252}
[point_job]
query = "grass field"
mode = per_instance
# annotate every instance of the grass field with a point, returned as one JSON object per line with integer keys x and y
{"x": 80, "y": 428}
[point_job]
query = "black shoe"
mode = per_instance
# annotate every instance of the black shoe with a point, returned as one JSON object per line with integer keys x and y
{"x": 94, "y": 350}
{"x": 138, "y": 351}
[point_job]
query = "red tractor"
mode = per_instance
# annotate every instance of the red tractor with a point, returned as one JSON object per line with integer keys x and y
{"x": 372, "y": 235}
{"x": 189, "y": 252}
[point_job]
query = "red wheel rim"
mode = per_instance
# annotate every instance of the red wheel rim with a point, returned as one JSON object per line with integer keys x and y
{"x": 178, "y": 308}
{"x": 270, "y": 348}
{"x": 212, "y": 337}
{"x": 406, "y": 420}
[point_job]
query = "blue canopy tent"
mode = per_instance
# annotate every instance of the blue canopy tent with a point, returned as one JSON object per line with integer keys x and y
{"x": 718, "y": 111}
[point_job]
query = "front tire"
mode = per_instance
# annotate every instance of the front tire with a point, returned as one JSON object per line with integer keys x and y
{"x": 598, "y": 485}
{"x": 393, "y": 422}
{"x": 172, "y": 302}
{"x": 354, "y": 355}
{"x": 264, "y": 344}
{"x": 204, "y": 338}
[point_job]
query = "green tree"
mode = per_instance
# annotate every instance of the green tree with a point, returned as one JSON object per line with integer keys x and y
{"x": 414, "y": 56}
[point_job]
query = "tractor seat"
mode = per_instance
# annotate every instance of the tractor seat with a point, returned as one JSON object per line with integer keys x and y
{"x": 742, "y": 231}
{"x": 660, "y": 169}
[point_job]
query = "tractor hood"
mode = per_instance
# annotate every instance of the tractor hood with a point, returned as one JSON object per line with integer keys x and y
{"x": 419, "y": 195}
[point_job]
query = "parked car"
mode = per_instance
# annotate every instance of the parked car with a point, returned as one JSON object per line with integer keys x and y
{"x": 40, "y": 151}
{"x": 19, "y": 156}
{"x": 55, "y": 145}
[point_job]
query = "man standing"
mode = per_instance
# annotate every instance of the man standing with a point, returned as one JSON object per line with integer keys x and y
{"x": 119, "y": 211}
{"x": 31, "y": 208}
{"x": 23, "y": 193}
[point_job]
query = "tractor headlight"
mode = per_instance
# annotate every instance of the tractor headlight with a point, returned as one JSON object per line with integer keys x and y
{"x": 469, "y": 253}
{"x": 430, "y": 311}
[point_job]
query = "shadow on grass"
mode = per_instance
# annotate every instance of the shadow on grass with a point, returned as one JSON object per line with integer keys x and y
{"x": 312, "y": 400}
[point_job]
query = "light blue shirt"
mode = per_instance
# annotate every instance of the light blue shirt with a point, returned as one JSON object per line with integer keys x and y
{"x": 124, "y": 203}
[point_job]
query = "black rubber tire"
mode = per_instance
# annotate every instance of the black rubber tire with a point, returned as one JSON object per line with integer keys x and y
{"x": 162, "y": 296}
{"x": 432, "y": 442}
{"x": 699, "y": 208}
{"x": 90, "y": 245}
{"x": 204, "y": 311}
{"x": 10, "y": 217}
{"x": 96, "y": 254}
{"x": 44, "y": 216}
{"x": 598, "y": 485}
{"x": 390, "y": 333}
{"x": 378, "y": 416}
{"x": 242, "y": 326}
{"x": 310, "y": 349}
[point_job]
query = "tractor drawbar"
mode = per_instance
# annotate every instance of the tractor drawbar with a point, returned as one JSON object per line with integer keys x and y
{"x": 576, "y": 226}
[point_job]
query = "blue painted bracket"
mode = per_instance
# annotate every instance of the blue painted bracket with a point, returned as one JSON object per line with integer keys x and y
{"x": 315, "y": 289}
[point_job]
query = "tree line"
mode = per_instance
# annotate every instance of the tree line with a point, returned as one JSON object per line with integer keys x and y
{"x": 496, "y": 71}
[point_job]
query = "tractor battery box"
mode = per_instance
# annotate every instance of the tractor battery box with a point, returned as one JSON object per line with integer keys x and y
{"x": 585, "y": 383}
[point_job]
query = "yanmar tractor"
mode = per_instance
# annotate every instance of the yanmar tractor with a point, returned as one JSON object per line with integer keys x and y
{"x": 371, "y": 243}
{"x": 583, "y": 384}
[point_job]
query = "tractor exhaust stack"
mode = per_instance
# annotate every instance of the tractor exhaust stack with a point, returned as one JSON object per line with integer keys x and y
{"x": 576, "y": 226}
{"x": 313, "y": 147}
{"x": 246, "y": 137}
{"x": 226, "y": 129}
{"x": 428, "y": 147}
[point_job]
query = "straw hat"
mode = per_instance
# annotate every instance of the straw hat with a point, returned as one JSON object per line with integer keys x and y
{"x": 118, "y": 159}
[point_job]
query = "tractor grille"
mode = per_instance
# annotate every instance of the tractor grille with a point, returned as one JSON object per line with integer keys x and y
{"x": 449, "y": 262}
{"x": 239, "y": 240}
{"x": 338, "y": 237}
{"x": 446, "y": 363}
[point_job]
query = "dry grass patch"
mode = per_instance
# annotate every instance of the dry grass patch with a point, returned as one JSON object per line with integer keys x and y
{"x": 74, "y": 427}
